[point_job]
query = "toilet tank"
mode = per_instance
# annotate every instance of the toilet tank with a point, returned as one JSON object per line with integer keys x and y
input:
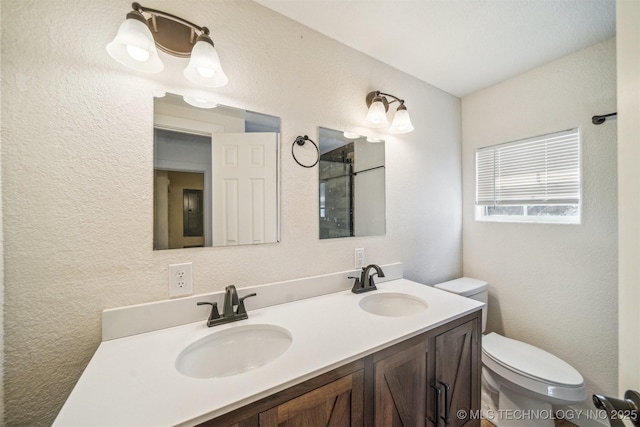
{"x": 470, "y": 288}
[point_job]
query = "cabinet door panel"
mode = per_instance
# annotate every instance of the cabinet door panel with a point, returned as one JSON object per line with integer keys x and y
{"x": 457, "y": 367}
{"x": 338, "y": 403}
{"x": 400, "y": 388}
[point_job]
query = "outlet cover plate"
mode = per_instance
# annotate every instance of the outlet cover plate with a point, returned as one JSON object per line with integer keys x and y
{"x": 180, "y": 280}
{"x": 359, "y": 258}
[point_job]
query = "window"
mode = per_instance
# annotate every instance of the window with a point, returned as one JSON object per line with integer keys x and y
{"x": 530, "y": 180}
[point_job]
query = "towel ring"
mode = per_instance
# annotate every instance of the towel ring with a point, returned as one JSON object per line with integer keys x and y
{"x": 598, "y": 120}
{"x": 300, "y": 140}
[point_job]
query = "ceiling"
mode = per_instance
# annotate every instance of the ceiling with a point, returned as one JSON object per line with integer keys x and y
{"x": 459, "y": 46}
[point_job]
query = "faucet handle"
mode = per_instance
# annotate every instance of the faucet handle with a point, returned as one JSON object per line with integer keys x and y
{"x": 356, "y": 284}
{"x": 241, "y": 309}
{"x": 214, "y": 309}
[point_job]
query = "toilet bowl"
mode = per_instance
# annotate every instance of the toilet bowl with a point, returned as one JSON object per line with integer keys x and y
{"x": 520, "y": 382}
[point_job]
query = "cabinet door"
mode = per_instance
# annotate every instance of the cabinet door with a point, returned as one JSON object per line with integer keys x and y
{"x": 339, "y": 403}
{"x": 457, "y": 371}
{"x": 400, "y": 388}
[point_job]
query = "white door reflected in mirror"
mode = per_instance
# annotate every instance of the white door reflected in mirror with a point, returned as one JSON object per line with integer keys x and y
{"x": 244, "y": 188}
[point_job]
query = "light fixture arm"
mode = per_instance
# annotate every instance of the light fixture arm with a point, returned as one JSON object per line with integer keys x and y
{"x": 376, "y": 95}
{"x": 395, "y": 98}
{"x": 155, "y": 12}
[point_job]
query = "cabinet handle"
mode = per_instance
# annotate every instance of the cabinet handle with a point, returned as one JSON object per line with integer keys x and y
{"x": 436, "y": 419}
{"x": 447, "y": 404}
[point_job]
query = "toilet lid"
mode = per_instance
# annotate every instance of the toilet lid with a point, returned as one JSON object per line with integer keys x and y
{"x": 529, "y": 360}
{"x": 464, "y": 286}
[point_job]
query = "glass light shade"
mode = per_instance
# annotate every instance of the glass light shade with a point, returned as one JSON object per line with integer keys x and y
{"x": 377, "y": 115}
{"x": 204, "y": 67}
{"x": 135, "y": 48}
{"x": 401, "y": 122}
{"x": 374, "y": 140}
{"x": 199, "y": 102}
{"x": 350, "y": 134}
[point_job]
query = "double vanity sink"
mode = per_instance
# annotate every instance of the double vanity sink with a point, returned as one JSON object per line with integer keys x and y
{"x": 247, "y": 347}
{"x": 188, "y": 374}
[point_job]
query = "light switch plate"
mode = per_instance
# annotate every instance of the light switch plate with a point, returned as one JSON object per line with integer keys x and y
{"x": 180, "y": 280}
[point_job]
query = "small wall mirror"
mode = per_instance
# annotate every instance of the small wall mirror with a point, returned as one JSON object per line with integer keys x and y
{"x": 352, "y": 185}
{"x": 215, "y": 175}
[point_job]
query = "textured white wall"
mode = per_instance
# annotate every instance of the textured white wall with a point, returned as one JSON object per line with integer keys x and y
{"x": 554, "y": 286}
{"x": 77, "y": 173}
{"x": 1, "y": 262}
{"x": 628, "y": 55}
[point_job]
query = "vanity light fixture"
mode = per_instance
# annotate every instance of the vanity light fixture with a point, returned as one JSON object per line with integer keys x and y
{"x": 138, "y": 36}
{"x": 378, "y": 105}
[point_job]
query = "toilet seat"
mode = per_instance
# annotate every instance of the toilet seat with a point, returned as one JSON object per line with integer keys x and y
{"x": 531, "y": 368}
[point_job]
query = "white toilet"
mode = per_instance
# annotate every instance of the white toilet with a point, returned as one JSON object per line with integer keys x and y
{"x": 526, "y": 380}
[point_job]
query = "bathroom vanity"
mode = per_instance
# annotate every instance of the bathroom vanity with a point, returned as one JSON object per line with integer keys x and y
{"x": 433, "y": 376}
{"x": 406, "y": 354}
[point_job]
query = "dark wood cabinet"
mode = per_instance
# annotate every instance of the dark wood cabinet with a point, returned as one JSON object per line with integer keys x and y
{"x": 337, "y": 404}
{"x": 400, "y": 386}
{"x": 335, "y": 398}
{"x": 457, "y": 374}
{"x": 422, "y": 381}
{"x": 428, "y": 379}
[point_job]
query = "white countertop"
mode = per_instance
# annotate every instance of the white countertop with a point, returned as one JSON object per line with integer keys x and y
{"x": 133, "y": 380}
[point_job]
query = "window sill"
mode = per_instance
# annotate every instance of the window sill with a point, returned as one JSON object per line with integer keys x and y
{"x": 531, "y": 220}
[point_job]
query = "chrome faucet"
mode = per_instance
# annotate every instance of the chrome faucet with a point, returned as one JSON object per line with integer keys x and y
{"x": 365, "y": 282}
{"x": 228, "y": 315}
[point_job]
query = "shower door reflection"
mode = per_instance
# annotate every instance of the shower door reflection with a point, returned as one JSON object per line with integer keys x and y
{"x": 352, "y": 186}
{"x": 336, "y": 201}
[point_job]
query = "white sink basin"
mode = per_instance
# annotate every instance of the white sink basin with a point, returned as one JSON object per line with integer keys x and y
{"x": 392, "y": 304}
{"x": 233, "y": 351}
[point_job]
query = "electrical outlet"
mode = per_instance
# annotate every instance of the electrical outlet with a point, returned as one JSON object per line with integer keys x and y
{"x": 359, "y": 257}
{"x": 180, "y": 279}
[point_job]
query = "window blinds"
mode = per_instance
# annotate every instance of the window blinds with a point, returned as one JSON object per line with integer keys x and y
{"x": 538, "y": 171}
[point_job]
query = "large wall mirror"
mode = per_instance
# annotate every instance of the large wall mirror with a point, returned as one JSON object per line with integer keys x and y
{"x": 215, "y": 175}
{"x": 352, "y": 185}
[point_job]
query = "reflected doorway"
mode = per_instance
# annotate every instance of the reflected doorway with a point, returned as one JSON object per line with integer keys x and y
{"x": 179, "y": 211}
